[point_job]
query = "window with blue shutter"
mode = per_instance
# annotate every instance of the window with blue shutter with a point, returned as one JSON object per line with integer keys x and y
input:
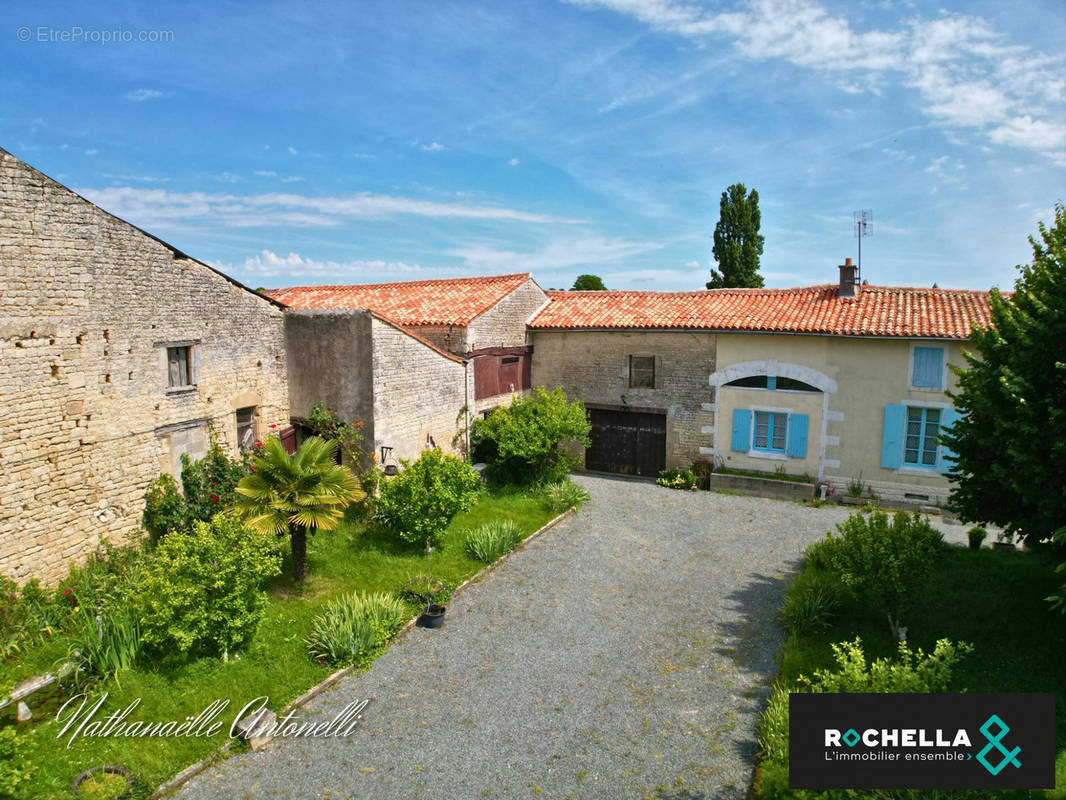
{"x": 947, "y": 455}
{"x": 921, "y": 437}
{"x": 892, "y": 437}
{"x": 770, "y": 430}
{"x": 928, "y": 368}
{"x": 797, "y": 436}
{"x": 741, "y": 429}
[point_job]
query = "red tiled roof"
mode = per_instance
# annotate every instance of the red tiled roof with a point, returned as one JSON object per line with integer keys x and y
{"x": 877, "y": 311}
{"x": 450, "y": 301}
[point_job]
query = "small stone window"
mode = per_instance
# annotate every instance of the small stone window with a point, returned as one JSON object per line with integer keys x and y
{"x": 246, "y": 427}
{"x": 642, "y": 372}
{"x": 179, "y": 367}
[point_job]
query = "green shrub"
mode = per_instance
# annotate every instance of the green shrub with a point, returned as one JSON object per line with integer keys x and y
{"x": 678, "y": 479}
{"x": 164, "y": 508}
{"x": 425, "y": 589}
{"x": 560, "y": 496}
{"x": 976, "y": 536}
{"x": 104, "y": 644}
{"x": 817, "y": 553}
{"x": 910, "y": 671}
{"x": 492, "y": 540}
{"x": 811, "y": 602}
{"x": 884, "y": 562}
{"x": 353, "y": 625}
{"x": 327, "y": 424}
{"x": 201, "y": 593}
{"x": 419, "y": 503}
{"x": 17, "y": 773}
{"x": 526, "y": 442}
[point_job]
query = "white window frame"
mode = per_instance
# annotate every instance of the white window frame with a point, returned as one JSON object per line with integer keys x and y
{"x": 752, "y": 452}
{"x": 911, "y": 469}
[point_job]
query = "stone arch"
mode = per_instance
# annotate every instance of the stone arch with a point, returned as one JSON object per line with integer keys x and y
{"x": 773, "y": 367}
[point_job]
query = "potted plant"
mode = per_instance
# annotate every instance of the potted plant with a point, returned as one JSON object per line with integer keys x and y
{"x": 976, "y": 536}
{"x": 702, "y": 469}
{"x": 430, "y": 593}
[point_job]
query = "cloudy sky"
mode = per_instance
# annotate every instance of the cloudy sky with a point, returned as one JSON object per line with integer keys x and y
{"x": 342, "y": 143}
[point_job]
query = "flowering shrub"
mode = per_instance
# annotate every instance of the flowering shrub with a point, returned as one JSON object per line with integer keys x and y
{"x": 678, "y": 479}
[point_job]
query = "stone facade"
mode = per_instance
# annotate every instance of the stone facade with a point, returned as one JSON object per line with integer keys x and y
{"x": 504, "y": 325}
{"x": 594, "y": 366}
{"x": 421, "y": 396}
{"x": 87, "y": 415}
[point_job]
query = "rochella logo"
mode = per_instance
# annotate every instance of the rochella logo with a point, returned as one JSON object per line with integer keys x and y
{"x": 896, "y": 737}
{"x": 1009, "y": 756}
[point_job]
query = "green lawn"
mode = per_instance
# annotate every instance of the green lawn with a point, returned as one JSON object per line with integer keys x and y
{"x": 276, "y": 664}
{"x": 990, "y": 598}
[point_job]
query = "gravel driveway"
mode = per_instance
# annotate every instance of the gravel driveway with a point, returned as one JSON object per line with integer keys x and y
{"x": 624, "y": 653}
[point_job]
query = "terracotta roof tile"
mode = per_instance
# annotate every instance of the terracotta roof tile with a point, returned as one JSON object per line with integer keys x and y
{"x": 450, "y": 301}
{"x": 877, "y": 311}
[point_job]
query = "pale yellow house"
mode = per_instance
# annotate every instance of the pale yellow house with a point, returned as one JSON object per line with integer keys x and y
{"x": 841, "y": 382}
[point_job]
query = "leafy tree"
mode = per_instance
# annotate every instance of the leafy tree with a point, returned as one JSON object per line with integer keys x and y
{"x": 1010, "y": 443}
{"x": 420, "y": 502}
{"x": 585, "y": 283}
{"x": 737, "y": 243}
{"x": 201, "y": 594}
{"x": 526, "y": 442}
{"x": 327, "y": 424}
{"x": 296, "y": 493}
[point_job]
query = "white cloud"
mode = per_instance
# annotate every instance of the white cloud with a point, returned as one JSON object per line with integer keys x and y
{"x": 228, "y": 177}
{"x": 148, "y": 207}
{"x": 433, "y": 147}
{"x": 92, "y": 151}
{"x": 293, "y": 151}
{"x": 141, "y": 95}
{"x": 560, "y": 253}
{"x": 966, "y": 74}
{"x": 136, "y": 178}
{"x": 294, "y": 269}
{"x": 291, "y": 179}
{"x": 514, "y": 162}
{"x": 692, "y": 264}
{"x": 265, "y": 173}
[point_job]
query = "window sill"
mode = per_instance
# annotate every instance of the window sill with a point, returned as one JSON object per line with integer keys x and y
{"x": 927, "y": 389}
{"x": 928, "y": 472}
{"x": 768, "y": 455}
{"x": 180, "y": 390}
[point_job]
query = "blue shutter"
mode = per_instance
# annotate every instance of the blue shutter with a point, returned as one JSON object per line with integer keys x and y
{"x": 892, "y": 438}
{"x": 771, "y": 382}
{"x": 928, "y": 367}
{"x": 947, "y": 455}
{"x": 741, "y": 429}
{"x": 797, "y": 436}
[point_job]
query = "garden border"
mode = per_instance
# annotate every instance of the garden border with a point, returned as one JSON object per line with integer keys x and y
{"x": 196, "y": 768}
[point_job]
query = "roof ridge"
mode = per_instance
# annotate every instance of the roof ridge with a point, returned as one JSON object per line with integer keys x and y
{"x": 388, "y": 284}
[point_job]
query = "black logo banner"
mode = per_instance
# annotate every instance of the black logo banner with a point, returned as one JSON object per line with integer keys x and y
{"x": 921, "y": 741}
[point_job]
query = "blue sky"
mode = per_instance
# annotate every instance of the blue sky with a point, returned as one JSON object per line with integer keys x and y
{"x": 343, "y": 143}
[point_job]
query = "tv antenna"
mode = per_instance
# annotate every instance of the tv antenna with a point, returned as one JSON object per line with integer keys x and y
{"x": 863, "y": 226}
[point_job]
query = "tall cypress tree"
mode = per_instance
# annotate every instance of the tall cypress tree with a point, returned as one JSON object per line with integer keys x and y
{"x": 737, "y": 243}
{"x": 1011, "y": 440}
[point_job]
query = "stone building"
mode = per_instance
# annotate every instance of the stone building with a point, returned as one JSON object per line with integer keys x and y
{"x": 412, "y": 360}
{"x": 841, "y": 382}
{"x": 118, "y": 353}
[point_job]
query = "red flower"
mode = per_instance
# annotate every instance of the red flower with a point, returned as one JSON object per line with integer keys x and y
{"x": 258, "y": 444}
{"x": 212, "y": 483}
{"x": 215, "y": 498}
{"x": 273, "y": 426}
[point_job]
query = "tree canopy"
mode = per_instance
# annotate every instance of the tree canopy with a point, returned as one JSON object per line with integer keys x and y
{"x": 737, "y": 242}
{"x": 588, "y": 283}
{"x": 1010, "y": 443}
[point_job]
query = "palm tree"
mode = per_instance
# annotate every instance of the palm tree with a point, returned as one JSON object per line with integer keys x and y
{"x": 292, "y": 493}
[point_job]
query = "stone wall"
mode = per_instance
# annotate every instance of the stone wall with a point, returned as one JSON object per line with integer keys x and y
{"x": 504, "y": 325}
{"x": 419, "y": 393}
{"x": 329, "y": 361}
{"x": 452, "y": 338}
{"x": 86, "y": 415}
{"x": 594, "y": 366}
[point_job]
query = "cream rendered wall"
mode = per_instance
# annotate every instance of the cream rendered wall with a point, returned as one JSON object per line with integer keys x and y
{"x": 869, "y": 374}
{"x": 730, "y": 398}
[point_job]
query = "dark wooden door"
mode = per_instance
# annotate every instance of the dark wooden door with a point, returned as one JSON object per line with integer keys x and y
{"x": 627, "y": 442}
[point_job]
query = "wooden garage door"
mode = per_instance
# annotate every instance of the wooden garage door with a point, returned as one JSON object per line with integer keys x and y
{"x": 628, "y": 442}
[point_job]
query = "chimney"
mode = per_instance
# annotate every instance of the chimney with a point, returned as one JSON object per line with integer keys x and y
{"x": 849, "y": 279}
